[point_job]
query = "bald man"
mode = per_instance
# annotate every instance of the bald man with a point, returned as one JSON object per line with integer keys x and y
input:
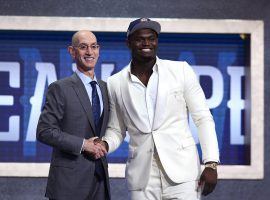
{"x": 74, "y": 115}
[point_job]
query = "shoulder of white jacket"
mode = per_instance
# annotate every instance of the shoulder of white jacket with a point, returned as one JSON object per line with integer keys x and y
{"x": 171, "y": 63}
{"x": 117, "y": 76}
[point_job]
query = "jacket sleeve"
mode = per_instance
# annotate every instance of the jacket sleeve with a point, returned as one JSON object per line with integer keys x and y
{"x": 200, "y": 113}
{"x": 116, "y": 130}
{"x": 49, "y": 125}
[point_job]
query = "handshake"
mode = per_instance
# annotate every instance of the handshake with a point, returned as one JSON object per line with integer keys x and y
{"x": 95, "y": 147}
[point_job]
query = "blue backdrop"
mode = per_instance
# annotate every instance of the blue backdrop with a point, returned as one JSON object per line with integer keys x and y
{"x": 221, "y": 62}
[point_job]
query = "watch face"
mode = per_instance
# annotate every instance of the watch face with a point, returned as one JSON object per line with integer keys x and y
{"x": 212, "y": 165}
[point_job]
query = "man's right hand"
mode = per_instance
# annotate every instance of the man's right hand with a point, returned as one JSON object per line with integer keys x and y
{"x": 95, "y": 149}
{"x": 102, "y": 142}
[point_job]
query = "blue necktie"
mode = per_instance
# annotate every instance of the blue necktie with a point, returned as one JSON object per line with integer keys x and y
{"x": 95, "y": 103}
{"x": 96, "y": 113}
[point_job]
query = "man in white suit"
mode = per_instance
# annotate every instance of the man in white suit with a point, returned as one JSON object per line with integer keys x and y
{"x": 150, "y": 98}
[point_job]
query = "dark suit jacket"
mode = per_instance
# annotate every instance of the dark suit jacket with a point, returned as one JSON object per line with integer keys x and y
{"x": 66, "y": 119}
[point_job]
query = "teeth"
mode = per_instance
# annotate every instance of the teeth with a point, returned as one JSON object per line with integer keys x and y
{"x": 89, "y": 58}
{"x": 146, "y": 50}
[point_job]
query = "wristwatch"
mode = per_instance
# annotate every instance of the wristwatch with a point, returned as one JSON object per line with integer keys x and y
{"x": 212, "y": 165}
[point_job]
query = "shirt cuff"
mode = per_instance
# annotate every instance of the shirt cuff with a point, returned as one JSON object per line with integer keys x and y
{"x": 82, "y": 149}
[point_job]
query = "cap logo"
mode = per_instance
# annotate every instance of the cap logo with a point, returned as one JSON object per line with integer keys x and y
{"x": 144, "y": 19}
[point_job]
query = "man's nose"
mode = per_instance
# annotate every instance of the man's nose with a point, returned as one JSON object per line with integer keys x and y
{"x": 146, "y": 42}
{"x": 89, "y": 50}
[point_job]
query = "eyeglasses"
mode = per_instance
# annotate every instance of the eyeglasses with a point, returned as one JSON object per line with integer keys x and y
{"x": 84, "y": 47}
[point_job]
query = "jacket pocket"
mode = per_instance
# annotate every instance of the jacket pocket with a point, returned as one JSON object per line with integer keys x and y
{"x": 61, "y": 162}
{"x": 176, "y": 94}
{"x": 187, "y": 142}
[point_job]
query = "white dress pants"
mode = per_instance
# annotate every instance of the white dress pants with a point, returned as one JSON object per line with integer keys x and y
{"x": 160, "y": 187}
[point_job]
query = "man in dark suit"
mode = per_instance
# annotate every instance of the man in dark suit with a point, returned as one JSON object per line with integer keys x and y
{"x": 74, "y": 115}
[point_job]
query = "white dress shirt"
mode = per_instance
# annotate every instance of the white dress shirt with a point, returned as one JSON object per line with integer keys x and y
{"x": 146, "y": 94}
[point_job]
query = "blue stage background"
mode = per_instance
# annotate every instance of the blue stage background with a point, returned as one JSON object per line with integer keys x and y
{"x": 31, "y": 47}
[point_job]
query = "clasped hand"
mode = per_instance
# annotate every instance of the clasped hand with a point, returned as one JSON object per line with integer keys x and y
{"x": 94, "y": 147}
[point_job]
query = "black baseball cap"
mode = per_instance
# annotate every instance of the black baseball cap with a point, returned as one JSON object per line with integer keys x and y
{"x": 143, "y": 23}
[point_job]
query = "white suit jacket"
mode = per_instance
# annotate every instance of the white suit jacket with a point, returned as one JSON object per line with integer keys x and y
{"x": 178, "y": 93}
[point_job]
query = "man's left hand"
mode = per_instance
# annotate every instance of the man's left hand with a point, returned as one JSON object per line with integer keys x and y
{"x": 208, "y": 180}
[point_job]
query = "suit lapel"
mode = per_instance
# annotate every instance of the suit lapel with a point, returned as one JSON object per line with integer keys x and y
{"x": 105, "y": 105}
{"x": 84, "y": 99}
{"x": 162, "y": 94}
{"x": 131, "y": 106}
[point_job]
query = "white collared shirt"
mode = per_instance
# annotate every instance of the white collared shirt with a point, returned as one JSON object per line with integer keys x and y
{"x": 147, "y": 95}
